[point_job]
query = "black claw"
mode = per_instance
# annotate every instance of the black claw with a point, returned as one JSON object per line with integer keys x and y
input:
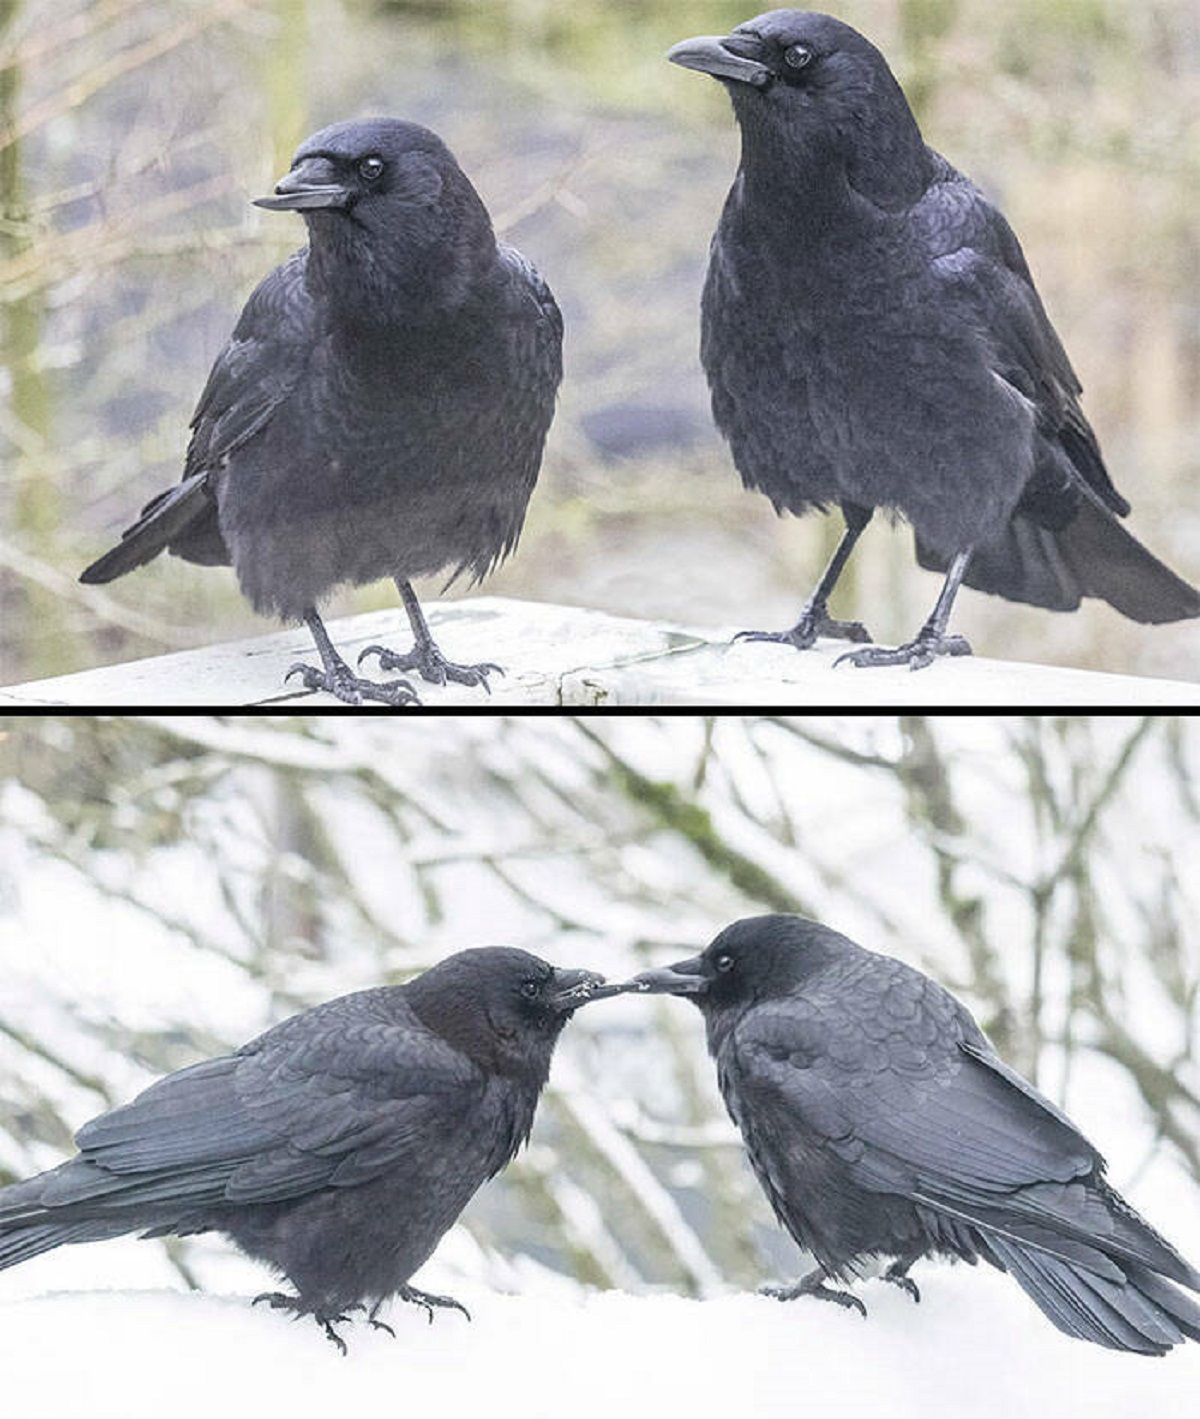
{"x": 915, "y": 654}
{"x": 431, "y": 1302}
{"x": 806, "y": 631}
{"x": 906, "y": 1284}
{"x": 350, "y": 688}
{"x": 432, "y": 665}
{"x": 278, "y": 1301}
{"x": 814, "y": 1285}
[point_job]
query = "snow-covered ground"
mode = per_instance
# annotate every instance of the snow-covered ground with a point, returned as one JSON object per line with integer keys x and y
{"x": 974, "y": 1346}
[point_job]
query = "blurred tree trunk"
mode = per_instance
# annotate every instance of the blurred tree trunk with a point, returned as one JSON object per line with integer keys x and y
{"x": 37, "y": 622}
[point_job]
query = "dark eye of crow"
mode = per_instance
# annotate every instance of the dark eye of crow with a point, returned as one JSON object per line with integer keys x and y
{"x": 530, "y": 988}
{"x": 724, "y": 963}
{"x": 796, "y": 56}
{"x": 370, "y": 168}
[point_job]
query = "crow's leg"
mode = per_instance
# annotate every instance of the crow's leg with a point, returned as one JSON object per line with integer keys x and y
{"x": 897, "y": 1275}
{"x": 338, "y": 679}
{"x": 814, "y": 1285}
{"x": 430, "y": 1302}
{"x": 373, "y": 1316}
{"x": 931, "y": 640}
{"x": 815, "y": 619}
{"x": 425, "y": 657}
{"x": 278, "y": 1301}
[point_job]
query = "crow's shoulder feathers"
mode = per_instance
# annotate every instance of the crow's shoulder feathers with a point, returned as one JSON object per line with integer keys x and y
{"x": 331, "y": 1097}
{"x": 265, "y": 358}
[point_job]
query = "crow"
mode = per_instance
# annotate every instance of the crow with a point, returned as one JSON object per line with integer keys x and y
{"x": 380, "y": 409}
{"x": 337, "y": 1148}
{"x": 881, "y": 1123}
{"x": 872, "y": 339}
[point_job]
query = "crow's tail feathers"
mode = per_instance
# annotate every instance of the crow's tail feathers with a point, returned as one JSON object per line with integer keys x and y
{"x": 183, "y": 518}
{"x": 1092, "y": 556}
{"x": 1143, "y": 1313}
{"x": 1112, "y": 564}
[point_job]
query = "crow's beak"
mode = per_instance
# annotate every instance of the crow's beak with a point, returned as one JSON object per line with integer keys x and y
{"x": 712, "y": 54}
{"x": 308, "y": 186}
{"x": 575, "y": 988}
{"x": 683, "y": 978}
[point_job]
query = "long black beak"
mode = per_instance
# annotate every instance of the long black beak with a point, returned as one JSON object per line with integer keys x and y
{"x": 575, "y": 988}
{"x": 309, "y": 185}
{"x": 683, "y": 978}
{"x": 712, "y": 54}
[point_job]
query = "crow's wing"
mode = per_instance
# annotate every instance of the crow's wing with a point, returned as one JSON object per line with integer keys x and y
{"x": 253, "y": 375}
{"x": 260, "y": 366}
{"x": 897, "y": 1081}
{"x": 330, "y": 1098}
{"x": 977, "y": 262}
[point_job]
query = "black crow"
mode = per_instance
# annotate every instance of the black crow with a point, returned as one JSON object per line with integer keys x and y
{"x": 881, "y": 1123}
{"x": 381, "y": 408}
{"x": 872, "y": 338}
{"x": 338, "y": 1147}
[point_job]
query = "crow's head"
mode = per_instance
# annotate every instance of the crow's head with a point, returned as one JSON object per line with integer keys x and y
{"x": 396, "y": 231}
{"x": 811, "y": 95}
{"x": 503, "y": 1008}
{"x": 754, "y": 959}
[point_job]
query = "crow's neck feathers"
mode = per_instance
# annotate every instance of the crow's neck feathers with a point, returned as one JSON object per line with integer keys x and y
{"x": 416, "y": 266}
{"x": 832, "y": 149}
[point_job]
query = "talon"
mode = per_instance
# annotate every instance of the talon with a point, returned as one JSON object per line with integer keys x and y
{"x": 432, "y": 665}
{"x": 916, "y": 655}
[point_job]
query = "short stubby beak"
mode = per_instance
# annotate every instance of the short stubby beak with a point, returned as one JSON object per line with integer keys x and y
{"x": 712, "y": 54}
{"x": 575, "y": 988}
{"x": 682, "y": 978}
{"x": 308, "y": 186}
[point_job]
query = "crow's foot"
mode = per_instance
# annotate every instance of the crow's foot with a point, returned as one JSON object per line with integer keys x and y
{"x": 372, "y": 1317}
{"x": 430, "y": 1302}
{"x": 432, "y": 665}
{"x": 814, "y": 1285}
{"x": 812, "y": 624}
{"x": 897, "y": 1275}
{"x": 916, "y": 654}
{"x": 906, "y": 1284}
{"x": 350, "y": 688}
{"x": 278, "y": 1301}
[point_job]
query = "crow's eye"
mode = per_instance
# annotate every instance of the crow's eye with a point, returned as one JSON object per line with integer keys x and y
{"x": 530, "y": 988}
{"x": 724, "y": 963}
{"x": 796, "y": 56}
{"x": 370, "y": 169}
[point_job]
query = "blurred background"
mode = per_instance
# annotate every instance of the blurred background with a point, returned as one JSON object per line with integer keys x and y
{"x": 169, "y": 888}
{"x": 133, "y": 134}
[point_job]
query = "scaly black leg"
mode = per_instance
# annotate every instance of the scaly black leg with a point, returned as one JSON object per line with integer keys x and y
{"x": 815, "y": 619}
{"x": 897, "y": 1275}
{"x": 814, "y": 1285}
{"x": 338, "y": 679}
{"x": 931, "y": 640}
{"x": 431, "y": 1302}
{"x": 425, "y": 657}
{"x": 278, "y": 1301}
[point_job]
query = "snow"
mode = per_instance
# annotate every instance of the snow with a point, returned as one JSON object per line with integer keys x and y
{"x": 974, "y": 1345}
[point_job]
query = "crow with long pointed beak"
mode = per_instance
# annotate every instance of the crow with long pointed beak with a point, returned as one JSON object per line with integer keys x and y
{"x": 380, "y": 410}
{"x": 881, "y": 1123}
{"x": 873, "y": 339}
{"x": 337, "y": 1148}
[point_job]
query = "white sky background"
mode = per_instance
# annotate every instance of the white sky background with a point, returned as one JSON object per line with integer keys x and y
{"x": 72, "y": 955}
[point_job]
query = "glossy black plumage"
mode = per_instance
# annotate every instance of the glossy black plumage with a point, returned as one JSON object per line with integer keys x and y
{"x": 381, "y": 407}
{"x": 338, "y": 1147}
{"x": 881, "y": 1123}
{"x": 873, "y": 339}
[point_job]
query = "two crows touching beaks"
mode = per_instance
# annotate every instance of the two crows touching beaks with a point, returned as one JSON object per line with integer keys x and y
{"x": 870, "y": 331}
{"x": 340, "y": 1146}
